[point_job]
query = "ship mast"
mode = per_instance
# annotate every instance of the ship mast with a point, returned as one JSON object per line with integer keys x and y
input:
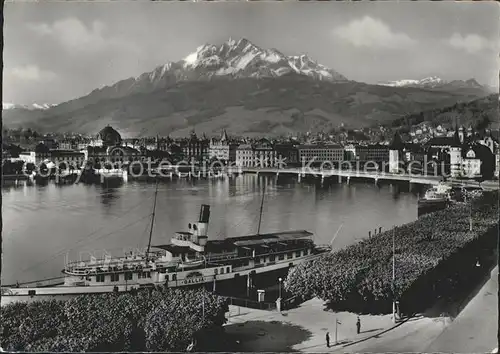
{"x": 261, "y": 207}
{"x": 152, "y": 221}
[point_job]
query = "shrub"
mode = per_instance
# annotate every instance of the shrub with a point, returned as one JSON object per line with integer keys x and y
{"x": 426, "y": 251}
{"x": 163, "y": 320}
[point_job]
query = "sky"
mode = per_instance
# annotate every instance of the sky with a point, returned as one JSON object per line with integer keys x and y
{"x": 54, "y": 52}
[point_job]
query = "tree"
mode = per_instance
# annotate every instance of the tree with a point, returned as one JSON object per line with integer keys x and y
{"x": 27, "y": 133}
{"x": 483, "y": 122}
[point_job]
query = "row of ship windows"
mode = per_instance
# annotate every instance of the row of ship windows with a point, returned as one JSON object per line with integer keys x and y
{"x": 281, "y": 257}
{"x": 100, "y": 278}
{"x": 301, "y": 152}
{"x": 216, "y": 270}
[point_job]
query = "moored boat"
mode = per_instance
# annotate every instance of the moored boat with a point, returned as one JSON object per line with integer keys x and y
{"x": 189, "y": 259}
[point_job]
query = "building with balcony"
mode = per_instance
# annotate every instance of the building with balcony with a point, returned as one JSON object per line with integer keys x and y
{"x": 259, "y": 154}
{"x": 264, "y": 154}
{"x": 245, "y": 155}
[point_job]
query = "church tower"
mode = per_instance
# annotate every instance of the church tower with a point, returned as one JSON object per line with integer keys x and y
{"x": 461, "y": 134}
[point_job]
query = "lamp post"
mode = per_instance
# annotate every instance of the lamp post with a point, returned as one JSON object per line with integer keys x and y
{"x": 393, "y": 276}
{"x": 470, "y": 215}
{"x": 203, "y": 305}
{"x": 470, "y": 211}
{"x": 280, "y": 280}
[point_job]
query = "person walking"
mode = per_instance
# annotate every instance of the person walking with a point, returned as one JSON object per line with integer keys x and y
{"x": 328, "y": 339}
{"x": 358, "y": 325}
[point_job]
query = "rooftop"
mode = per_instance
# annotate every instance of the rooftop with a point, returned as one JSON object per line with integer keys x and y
{"x": 319, "y": 146}
{"x": 269, "y": 238}
{"x": 175, "y": 249}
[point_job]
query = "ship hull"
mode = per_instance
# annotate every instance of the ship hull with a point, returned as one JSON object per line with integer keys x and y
{"x": 430, "y": 206}
{"x": 13, "y": 295}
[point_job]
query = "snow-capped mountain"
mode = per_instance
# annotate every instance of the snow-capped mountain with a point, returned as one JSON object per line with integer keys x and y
{"x": 429, "y": 82}
{"x": 232, "y": 59}
{"x": 434, "y": 82}
{"x": 244, "y": 59}
{"x": 43, "y": 106}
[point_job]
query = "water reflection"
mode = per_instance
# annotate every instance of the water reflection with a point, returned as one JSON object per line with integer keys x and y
{"x": 108, "y": 195}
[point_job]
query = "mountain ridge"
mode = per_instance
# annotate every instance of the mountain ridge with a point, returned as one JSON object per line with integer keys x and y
{"x": 33, "y": 106}
{"x": 435, "y": 82}
{"x": 242, "y": 87}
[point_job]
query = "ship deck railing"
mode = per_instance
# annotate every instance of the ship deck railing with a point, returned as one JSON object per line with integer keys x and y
{"x": 75, "y": 268}
{"x": 113, "y": 262}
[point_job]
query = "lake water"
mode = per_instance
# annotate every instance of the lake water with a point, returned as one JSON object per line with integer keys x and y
{"x": 41, "y": 224}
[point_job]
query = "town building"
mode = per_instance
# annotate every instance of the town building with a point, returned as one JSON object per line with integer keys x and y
{"x": 67, "y": 159}
{"x": 49, "y": 142}
{"x": 264, "y": 154}
{"x": 194, "y": 148}
{"x": 223, "y": 149}
{"x": 114, "y": 155}
{"x": 497, "y": 164}
{"x": 376, "y": 153}
{"x": 321, "y": 154}
{"x": 62, "y": 158}
{"x": 438, "y": 148}
{"x": 396, "y": 154}
{"x": 109, "y": 149}
{"x": 39, "y": 154}
{"x": 470, "y": 166}
{"x": 74, "y": 144}
{"x": 107, "y": 137}
{"x": 350, "y": 152}
{"x": 287, "y": 154}
{"x": 258, "y": 154}
{"x": 245, "y": 155}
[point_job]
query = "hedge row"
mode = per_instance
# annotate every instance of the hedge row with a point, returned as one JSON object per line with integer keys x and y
{"x": 425, "y": 250}
{"x": 155, "y": 320}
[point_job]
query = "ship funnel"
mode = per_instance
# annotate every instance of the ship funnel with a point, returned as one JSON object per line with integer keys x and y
{"x": 203, "y": 221}
{"x": 204, "y": 214}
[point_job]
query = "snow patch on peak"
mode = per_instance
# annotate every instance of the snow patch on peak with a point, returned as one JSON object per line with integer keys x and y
{"x": 191, "y": 58}
{"x": 7, "y": 106}
{"x": 245, "y": 60}
{"x": 427, "y": 82}
{"x": 271, "y": 56}
{"x": 43, "y": 105}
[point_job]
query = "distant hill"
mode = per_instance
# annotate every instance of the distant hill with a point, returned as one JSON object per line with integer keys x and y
{"x": 477, "y": 113}
{"x": 240, "y": 87}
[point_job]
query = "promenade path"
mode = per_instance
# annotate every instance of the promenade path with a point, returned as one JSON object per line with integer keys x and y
{"x": 300, "y": 329}
{"x": 476, "y": 327}
{"x": 304, "y": 328}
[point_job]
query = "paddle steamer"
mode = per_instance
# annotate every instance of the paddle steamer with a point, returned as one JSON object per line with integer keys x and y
{"x": 190, "y": 259}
